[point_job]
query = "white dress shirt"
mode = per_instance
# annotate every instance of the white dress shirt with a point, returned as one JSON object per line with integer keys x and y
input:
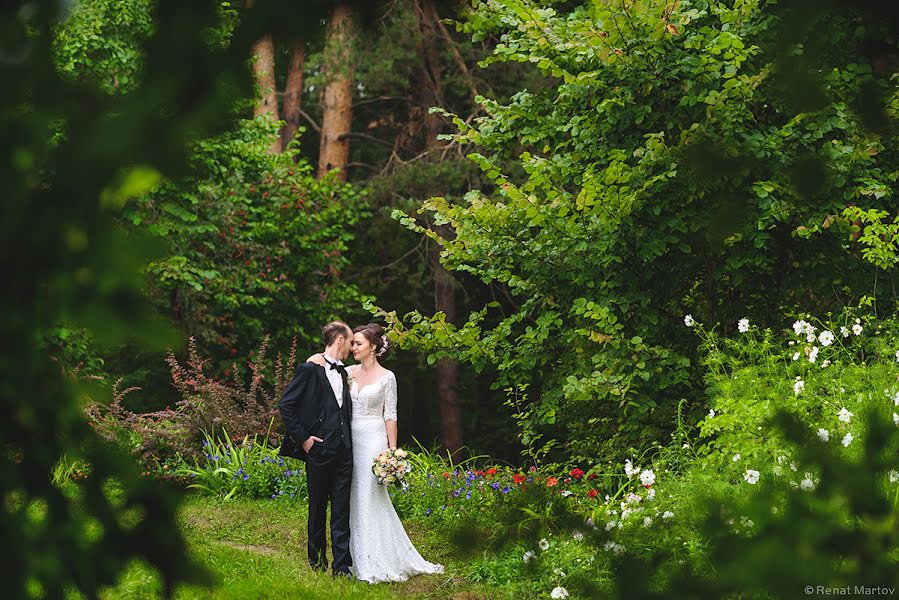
{"x": 335, "y": 379}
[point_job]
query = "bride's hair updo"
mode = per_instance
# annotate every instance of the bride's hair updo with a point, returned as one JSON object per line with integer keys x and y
{"x": 374, "y": 333}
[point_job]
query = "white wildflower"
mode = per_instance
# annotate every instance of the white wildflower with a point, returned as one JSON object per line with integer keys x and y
{"x": 647, "y": 521}
{"x": 529, "y": 556}
{"x": 802, "y": 327}
{"x": 894, "y": 476}
{"x": 897, "y": 355}
{"x": 736, "y": 457}
{"x": 566, "y": 493}
{"x": 896, "y": 419}
{"x": 807, "y": 484}
{"x": 798, "y": 386}
{"x": 651, "y": 493}
{"x": 543, "y": 544}
{"x": 810, "y": 337}
{"x": 844, "y": 415}
{"x": 857, "y": 329}
{"x": 629, "y": 469}
{"x": 578, "y": 536}
{"x": 559, "y": 592}
{"x": 711, "y": 413}
{"x": 795, "y": 356}
{"x": 611, "y": 525}
{"x": 823, "y": 434}
{"x": 647, "y": 477}
{"x": 689, "y": 321}
{"x": 847, "y": 439}
{"x": 813, "y": 354}
{"x": 667, "y": 514}
{"x": 751, "y": 476}
{"x": 825, "y": 363}
{"x": 826, "y": 338}
{"x": 844, "y": 332}
{"x": 743, "y": 325}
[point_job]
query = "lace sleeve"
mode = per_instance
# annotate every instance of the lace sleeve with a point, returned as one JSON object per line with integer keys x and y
{"x": 390, "y": 398}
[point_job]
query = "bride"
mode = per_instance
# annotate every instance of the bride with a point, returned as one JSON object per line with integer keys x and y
{"x": 379, "y": 546}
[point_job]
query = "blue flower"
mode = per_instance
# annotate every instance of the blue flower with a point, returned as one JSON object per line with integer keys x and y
{"x": 506, "y": 489}
{"x": 443, "y": 507}
{"x": 468, "y": 495}
{"x": 273, "y": 496}
{"x": 216, "y": 458}
{"x": 246, "y": 477}
{"x": 457, "y": 492}
{"x": 494, "y": 485}
{"x": 428, "y": 512}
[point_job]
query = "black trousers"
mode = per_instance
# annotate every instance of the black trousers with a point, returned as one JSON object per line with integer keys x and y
{"x": 326, "y": 482}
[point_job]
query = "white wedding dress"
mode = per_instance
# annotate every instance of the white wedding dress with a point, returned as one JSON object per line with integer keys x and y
{"x": 380, "y": 548}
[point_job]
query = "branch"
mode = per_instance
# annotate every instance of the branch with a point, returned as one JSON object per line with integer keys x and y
{"x": 388, "y": 99}
{"x": 364, "y": 136}
{"x": 458, "y": 57}
{"x": 311, "y": 121}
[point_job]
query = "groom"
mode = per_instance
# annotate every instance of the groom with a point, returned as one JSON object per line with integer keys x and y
{"x": 316, "y": 409}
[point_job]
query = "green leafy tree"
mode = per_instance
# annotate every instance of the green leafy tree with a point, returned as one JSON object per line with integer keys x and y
{"x": 256, "y": 245}
{"x": 668, "y": 171}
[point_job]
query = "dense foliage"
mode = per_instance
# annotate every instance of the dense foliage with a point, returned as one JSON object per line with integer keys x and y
{"x": 669, "y": 170}
{"x": 65, "y": 144}
{"x": 256, "y": 245}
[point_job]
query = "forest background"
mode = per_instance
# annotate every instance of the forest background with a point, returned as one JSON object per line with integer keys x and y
{"x": 531, "y": 195}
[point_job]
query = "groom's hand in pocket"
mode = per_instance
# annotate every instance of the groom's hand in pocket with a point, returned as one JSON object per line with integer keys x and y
{"x": 307, "y": 445}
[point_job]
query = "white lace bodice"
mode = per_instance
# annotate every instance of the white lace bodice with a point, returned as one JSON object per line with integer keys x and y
{"x": 377, "y": 399}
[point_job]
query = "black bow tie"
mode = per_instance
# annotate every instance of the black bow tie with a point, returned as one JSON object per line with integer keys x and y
{"x": 340, "y": 369}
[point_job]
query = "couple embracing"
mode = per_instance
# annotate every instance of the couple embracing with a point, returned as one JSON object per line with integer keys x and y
{"x": 338, "y": 419}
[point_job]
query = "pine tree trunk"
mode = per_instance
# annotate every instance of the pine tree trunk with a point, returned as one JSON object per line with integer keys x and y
{"x": 430, "y": 75}
{"x": 337, "y": 102}
{"x": 264, "y": 74}
{"x": 293, "y": 94}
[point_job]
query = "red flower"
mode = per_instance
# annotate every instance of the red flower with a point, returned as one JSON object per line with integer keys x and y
{"x": 592, "y": 494}
{"x": 576, "y": 473}
{"x": 533, "y": 468}
{"x": 591, "y": 476}
{"x": 518, "y": 478}
{"x": 567, "y": 480}
{"x": 491, "y": 471}
{"x": 551, "y": 481}
{"x": 445, "y": 475}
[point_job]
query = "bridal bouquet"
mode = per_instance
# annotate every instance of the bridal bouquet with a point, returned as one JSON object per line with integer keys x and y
{"x": 391, "y": 466}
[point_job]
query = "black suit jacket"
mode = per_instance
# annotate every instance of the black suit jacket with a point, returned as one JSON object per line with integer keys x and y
{"x": 308, "y": 407}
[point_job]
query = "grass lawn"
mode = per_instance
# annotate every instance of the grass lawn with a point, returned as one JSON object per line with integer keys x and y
{"x": 257, "y": 549}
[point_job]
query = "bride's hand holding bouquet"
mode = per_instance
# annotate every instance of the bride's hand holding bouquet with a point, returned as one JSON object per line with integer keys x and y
{"x": 391, "y": 466}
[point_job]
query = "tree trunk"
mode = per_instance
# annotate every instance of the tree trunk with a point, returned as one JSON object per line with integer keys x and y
{"x": 444, "y": 285}
{"x": 264, "y": 74}
{"x": 293, "y": 94}
{"x": 337, "y": 102}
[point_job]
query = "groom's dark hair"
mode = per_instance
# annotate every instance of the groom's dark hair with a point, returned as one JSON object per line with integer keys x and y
{"x": 333, "y": 330}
